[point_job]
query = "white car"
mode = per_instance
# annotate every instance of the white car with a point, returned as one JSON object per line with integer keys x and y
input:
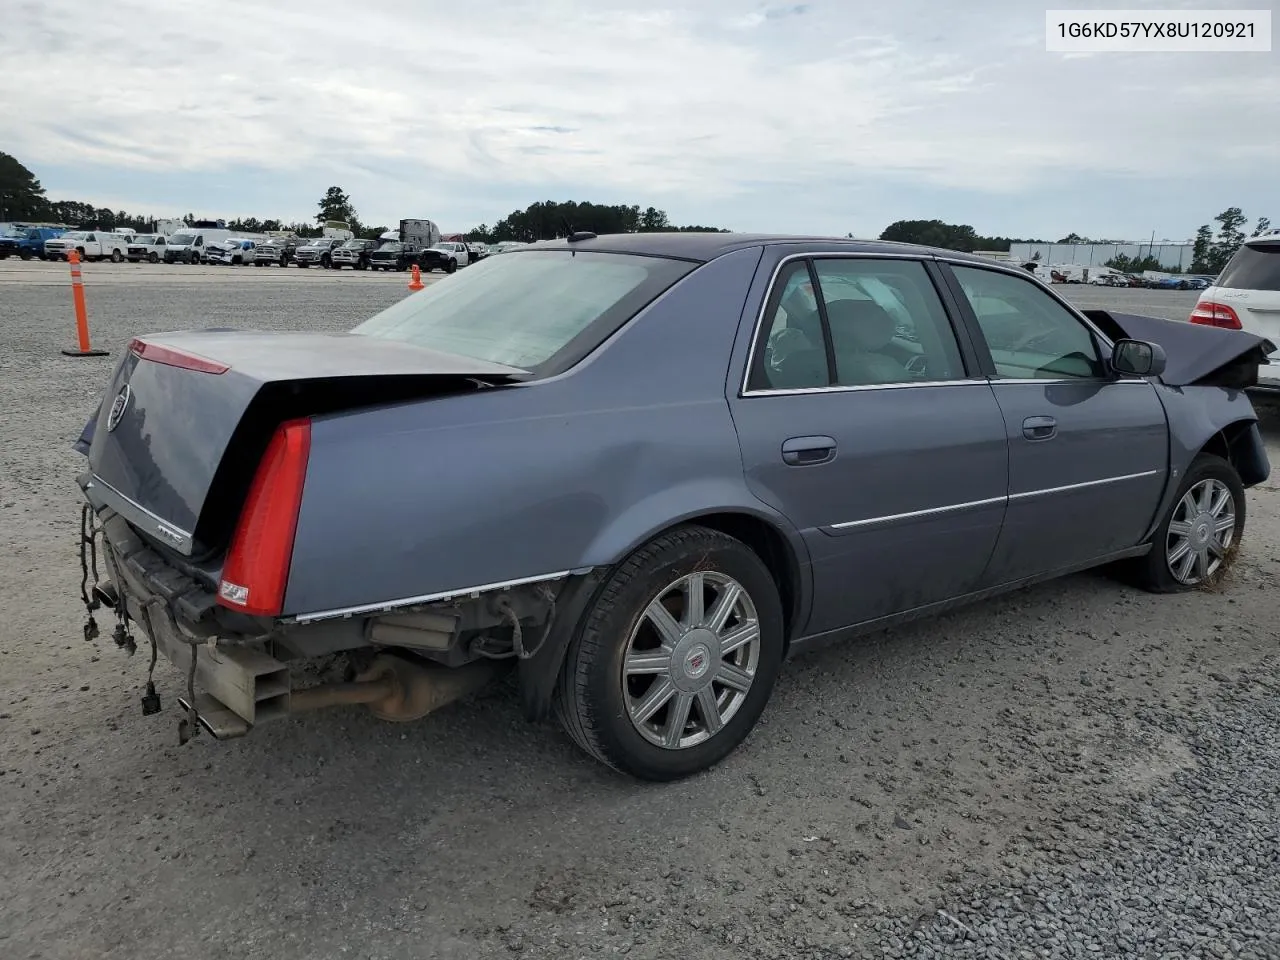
{"x": 1246, "y": 296}
{"x": 146, "y": 246}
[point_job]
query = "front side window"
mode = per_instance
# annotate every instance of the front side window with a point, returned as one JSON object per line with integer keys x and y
{"x": 535, "y": 311}
{"x": 869, "y": 323}
{"x": 1031, "y": 335}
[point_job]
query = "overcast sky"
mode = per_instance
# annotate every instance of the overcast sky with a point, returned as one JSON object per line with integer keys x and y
{"x": 831, "y": 116}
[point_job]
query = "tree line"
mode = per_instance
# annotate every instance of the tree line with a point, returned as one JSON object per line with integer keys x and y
{"x": 549, "y": 220}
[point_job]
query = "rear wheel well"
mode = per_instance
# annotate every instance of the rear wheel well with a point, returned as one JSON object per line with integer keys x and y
{"x": 771, "y": 547}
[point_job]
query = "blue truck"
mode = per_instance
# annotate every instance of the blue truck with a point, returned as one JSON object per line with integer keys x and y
{"x": 27, "y": 241}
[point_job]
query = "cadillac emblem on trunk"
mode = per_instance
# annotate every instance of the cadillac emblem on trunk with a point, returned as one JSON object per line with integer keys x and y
{"x": 118, "y": 407}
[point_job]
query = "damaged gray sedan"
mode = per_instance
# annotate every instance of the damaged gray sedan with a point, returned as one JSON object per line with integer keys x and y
{"x": 640, "y": 471}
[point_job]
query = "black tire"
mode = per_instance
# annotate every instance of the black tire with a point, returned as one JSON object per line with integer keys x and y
{"x": 589, "y": 698}
{"x": 23, "y": 255}
{"x": 284, "y": 262}
{"x": 402, "y": 267}
{"x": 451, "y": 266}
{"x": 326, "y": 263}
{"x": 153, "y": 257}
{"x": 193, "y": 258}
{"x": 1152, "y": 572}
{"x": 116, "y": 256}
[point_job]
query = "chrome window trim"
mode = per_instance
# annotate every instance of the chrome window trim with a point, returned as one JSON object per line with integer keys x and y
{"x": 853, "y": 388}
{"x": 744, "y": 391}
{"x": 996, "y": 381}
{"x": 987, "y": 502}
{"x": 389, "y": 605}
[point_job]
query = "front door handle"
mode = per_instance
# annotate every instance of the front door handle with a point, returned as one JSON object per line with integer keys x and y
{"x": 806, "y": 451}
{"x": 1039, "y": 428}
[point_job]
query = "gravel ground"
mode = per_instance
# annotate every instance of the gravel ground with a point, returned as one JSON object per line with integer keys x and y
{"x": 1078, "y": 769}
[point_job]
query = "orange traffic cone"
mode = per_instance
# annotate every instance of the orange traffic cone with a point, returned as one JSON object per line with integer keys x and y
{"x": 416, "y": 282}
{"x": 82, "y": 349}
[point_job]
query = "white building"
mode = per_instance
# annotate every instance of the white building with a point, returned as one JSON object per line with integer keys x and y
{"x": 1170, "y": 253}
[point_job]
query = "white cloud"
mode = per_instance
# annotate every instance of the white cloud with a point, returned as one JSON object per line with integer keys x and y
{"x": 710, "y": 101}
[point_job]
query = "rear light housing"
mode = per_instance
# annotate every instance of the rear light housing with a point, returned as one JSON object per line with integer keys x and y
{"x": 172, "y": 357}
{"x": 1212, "y": 314}
{"x": 257, "y": 567}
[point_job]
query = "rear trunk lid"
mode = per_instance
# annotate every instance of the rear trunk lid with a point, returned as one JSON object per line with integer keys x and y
{"x": 188, "y": 415}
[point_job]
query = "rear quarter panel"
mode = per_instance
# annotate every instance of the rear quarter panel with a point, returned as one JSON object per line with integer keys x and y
{"x": 536, "y": 479}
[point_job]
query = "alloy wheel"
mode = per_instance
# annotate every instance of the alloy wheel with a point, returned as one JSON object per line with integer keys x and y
{"x": 1200, "y": 532}
{"x": 690, "y": 660}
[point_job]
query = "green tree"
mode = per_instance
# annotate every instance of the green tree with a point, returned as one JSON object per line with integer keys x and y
{"x": 653, "y": 220}
{"x": 336, "y": 205}
{"x": 1230, "y": 235}
{"x": 1200, "y": 249}
{"x": 932, "y": 233}
{"x": 1074, "y": 238}
{"x": 1127, "y": 264}
{"x": 21, "y": 195}
{"x": 1264, "y": 224}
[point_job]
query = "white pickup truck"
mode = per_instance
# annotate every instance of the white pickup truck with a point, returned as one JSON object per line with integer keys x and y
{"x": 90, "y": 244}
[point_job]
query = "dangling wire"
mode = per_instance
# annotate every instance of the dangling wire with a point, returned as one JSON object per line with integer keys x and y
{"x": 86, "y": 546}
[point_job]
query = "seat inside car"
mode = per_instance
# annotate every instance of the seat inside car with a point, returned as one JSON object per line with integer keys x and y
{"x": 859, "y": 329}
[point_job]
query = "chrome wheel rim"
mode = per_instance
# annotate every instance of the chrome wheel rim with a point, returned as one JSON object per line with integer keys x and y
{"x": 690, "y": 660}
{"x": 1200, "y": 532}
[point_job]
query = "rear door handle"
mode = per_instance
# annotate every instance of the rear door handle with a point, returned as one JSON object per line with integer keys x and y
{"x": 1039, "y": 428}
{"x": 805, "y": 451}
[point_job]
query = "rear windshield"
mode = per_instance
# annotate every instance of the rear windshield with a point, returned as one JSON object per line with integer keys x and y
{"x": 537, "y": 310}
{"x": 1254, "y": 267}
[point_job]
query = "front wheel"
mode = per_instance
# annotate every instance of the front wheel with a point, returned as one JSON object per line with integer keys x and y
{"x": 23, "y": 255}
{"x": 675, "y": 659}
{"x": 451, "y": 266}
{"x": 1199, "y": 536}
{"x": 116, "y": 256}
{"x": 153, "y": 257}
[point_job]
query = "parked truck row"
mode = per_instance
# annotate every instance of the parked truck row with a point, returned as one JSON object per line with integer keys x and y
{"x": 415, "y": 242}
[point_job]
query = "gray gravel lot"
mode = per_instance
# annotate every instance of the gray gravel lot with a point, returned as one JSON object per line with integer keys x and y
{"x": 1074, "y": 770}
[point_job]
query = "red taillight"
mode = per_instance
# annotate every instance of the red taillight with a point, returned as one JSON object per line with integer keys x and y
{"x": 176, "y": 358}
{"x": 257, "y": 567}
{"x": 1215, "y": 315}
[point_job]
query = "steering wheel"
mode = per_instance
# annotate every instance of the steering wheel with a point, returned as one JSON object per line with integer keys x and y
{"x": 917, "y": 365}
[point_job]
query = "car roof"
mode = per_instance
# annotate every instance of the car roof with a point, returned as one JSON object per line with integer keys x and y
{"x": 702, "y": 247}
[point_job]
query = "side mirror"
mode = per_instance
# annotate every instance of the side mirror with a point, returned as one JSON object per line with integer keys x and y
{"x": 1138, "y": 358}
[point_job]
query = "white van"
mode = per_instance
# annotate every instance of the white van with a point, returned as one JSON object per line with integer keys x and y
{"x": 188, "y": 245}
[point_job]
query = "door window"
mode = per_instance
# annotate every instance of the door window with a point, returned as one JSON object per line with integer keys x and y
{"x": 887, "y": 322}
{"x": 869, "y": 323}
{"x": 1029, "y": 333}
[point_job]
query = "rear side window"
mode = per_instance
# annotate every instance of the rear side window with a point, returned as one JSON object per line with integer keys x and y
{"x": 1254, "y": 267}
{"x": 867, "y": 323}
